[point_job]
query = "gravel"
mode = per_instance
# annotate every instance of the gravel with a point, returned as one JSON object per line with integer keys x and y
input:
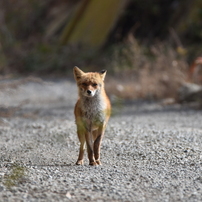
{"x": 150, "y": 152}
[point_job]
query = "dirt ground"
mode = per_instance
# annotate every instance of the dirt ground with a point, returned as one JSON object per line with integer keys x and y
{"x": 150, "y": 152}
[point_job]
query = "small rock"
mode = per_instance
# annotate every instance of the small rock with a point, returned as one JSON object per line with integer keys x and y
{"x": 68, "y": 195}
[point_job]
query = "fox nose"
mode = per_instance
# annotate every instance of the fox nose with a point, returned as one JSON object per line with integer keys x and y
{"x": 89, "y": 92}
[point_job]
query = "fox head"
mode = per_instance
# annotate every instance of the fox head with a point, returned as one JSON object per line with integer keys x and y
{"x": 89, "y": 84}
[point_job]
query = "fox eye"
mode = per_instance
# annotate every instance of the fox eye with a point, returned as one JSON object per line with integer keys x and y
{"x": 94, "y": 84}
{"x": 84, "y": 84}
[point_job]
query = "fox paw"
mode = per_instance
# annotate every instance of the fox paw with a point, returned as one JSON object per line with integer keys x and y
{"x": 79, "y": 162}
{"x": 93, "y": 163}
{"x": 98, "y": 162}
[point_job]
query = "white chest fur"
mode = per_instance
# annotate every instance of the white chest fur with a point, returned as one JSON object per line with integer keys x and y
{"x": 93, "y": 108}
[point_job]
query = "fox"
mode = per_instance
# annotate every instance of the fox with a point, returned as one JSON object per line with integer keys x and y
{"x": 92, "y": 112}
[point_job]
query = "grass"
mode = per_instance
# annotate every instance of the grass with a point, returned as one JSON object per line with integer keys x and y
{"x": 140, "y": 72}
{"x": 15, "y": 177}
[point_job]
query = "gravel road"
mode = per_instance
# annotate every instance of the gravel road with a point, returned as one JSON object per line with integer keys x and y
{"x": 149, "y": 153}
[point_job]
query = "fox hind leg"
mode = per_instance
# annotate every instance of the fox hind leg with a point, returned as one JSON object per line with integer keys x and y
{"x": 97, "y": 144}
{"x": 97, "y": 149}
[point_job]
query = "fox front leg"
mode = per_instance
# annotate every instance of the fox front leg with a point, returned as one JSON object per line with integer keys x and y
{"x": 82, "y": 140}
{"x": 90, "y": 149}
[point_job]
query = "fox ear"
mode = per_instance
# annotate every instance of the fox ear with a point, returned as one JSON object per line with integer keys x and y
{"x": 77, "y": 73}
{"x": 103, "y": 74}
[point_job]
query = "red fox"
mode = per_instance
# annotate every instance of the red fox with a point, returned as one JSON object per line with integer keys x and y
{"x": 92, "y": 112}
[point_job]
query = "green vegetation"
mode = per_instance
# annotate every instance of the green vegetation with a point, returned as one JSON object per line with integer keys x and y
{"x": 31, "y": 30}
{"x": 15, "y": 177}
{"x": 137, "y": 40}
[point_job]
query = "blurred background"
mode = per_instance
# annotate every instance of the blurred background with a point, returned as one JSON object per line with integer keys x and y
{"x": 150, "y": 48}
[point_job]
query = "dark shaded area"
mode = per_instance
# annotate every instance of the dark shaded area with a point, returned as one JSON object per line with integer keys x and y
{"x": 150, "y": 20}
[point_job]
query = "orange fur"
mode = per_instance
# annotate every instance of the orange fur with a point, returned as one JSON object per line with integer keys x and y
{"x": 92, "y": 112}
